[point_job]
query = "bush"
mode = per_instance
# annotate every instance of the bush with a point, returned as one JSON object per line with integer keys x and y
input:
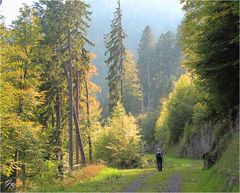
{"x": 47, "y": 174}
{"x": 118, "y": 143}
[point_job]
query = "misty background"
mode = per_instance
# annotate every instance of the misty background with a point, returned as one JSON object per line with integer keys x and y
{"x": 160, "y": 15}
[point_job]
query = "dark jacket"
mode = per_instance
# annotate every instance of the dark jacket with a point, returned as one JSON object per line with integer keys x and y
{"x": 159, "y": 156}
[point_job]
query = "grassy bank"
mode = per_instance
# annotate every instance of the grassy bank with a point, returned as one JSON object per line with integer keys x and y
{"x": 223, "y": 177}
{"x": 106, "y": 180}
{"x": 220, "y": 178}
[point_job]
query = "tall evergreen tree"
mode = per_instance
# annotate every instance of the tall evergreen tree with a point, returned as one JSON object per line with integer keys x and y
{"x": 52, "y": 113}
{"x": 116, "y": 50}
{"x": 66, "y": 38}
{"x": 145, "y": 56}
{"x": 132, "y": 94}
{"x": 166, "y": 66}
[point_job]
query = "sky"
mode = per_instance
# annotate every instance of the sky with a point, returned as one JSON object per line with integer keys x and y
{"x": 10, "y": 9}
{"x": 169, "y": 8}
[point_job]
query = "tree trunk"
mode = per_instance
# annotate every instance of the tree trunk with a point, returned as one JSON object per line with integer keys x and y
{"x": 90, "y": 147}
{"x": 88, "y": 121}
{"x": 53, "y": 120}
{"x": 24, "y": 176}
{"x": 80, "y": 144}
{"x": 76, "y": 120}
{"x": 59, "y": 133}
{"x": 121, "y": 97}
{"x": 142, "y": 100}
{"x": 70, "y": 121}
{"x": 148, "y": 88}
{"x": 15, "y": 172}
{"x": 121, "y": 71}
{"x": 77, "y": 112}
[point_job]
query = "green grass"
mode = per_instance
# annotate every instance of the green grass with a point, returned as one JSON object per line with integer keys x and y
{"x": 222, "y": 177}
{"x": 108, "y": 180}
{"x": 172, "y": 166}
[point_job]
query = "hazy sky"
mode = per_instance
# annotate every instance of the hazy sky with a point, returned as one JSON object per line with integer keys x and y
{"x": 167, "y": 8}
{"x": 10, "y": 9}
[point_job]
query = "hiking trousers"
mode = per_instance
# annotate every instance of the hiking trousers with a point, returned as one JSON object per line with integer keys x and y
{"x": 159, "y": 165}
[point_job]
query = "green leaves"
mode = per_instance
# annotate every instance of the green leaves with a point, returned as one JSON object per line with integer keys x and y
{"x": 210, "y": 39}
{"x": 176, "y": 111}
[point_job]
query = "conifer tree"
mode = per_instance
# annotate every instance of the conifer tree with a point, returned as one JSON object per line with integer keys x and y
{"x": 65, "y": 26}
{"x": 116, "y": 50}
{"x": 132, "y": 94}
{"x": 145, "y": 55}
{"x": 166, "y": 66}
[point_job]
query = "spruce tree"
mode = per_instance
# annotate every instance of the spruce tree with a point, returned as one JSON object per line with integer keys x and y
{"x": 65, "y": 26}
{"x": 132, "y": 94}
{"x": 116, "y": 51}
{"x": 145, "y": 55}
{"x": 166, "y": 66}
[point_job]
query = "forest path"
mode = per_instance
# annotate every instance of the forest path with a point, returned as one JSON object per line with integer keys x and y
{"x": 174, "y": 184}
{"x": 135, "y": 185}
{"x": 176, "y": 174}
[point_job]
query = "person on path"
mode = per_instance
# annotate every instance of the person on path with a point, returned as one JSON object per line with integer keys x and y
{"x": 159, "y": 157}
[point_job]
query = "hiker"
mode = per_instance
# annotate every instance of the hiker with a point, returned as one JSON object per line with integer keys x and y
{"x": 159, "y": 157}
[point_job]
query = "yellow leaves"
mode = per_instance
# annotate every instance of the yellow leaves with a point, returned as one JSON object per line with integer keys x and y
{"x": 119, "y": 139}
{"x": 161, "y": 123}
{"x": 19, "y": 126}
{"x": 8, "y": 168}
{"x": 93, "y": 87}
{"x": 91, "y": 56}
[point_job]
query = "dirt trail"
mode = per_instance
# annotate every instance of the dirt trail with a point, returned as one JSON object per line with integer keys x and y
{"x": 174, "y": 184}
{"x": 134, "y": 186}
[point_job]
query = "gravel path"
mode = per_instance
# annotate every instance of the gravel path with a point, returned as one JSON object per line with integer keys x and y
{"x": 138, "y": 182}
{"x": 174, "y": 184}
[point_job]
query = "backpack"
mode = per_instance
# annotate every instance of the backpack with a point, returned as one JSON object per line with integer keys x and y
{"x": 159, "y": 155}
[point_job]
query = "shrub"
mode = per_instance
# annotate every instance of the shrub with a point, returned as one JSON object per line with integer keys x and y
{"x": 118, "y": 143}
{"x": 47, "y": 174}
